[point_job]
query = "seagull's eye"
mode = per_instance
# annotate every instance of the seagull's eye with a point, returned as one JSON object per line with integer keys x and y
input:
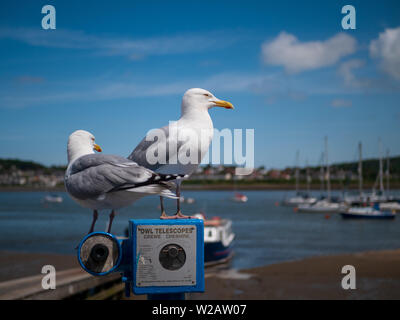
{"x": 207, "y": 95}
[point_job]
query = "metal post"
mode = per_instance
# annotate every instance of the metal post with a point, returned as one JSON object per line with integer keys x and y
{"x": 167, "y": 296}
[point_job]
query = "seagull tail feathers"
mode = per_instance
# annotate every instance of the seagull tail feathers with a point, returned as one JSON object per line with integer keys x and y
{"x": 160, "y": 189}
{"x": 169, "y": 177}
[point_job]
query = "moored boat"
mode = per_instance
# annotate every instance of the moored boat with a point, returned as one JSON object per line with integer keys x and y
{"x": 321, "y": 206}
{"x": 390, "y": 206}
{"x": 218, "y": 240}
{"x": 52, "y": 198}
{"x": 299, "y": 199}
{"x": 240, "y": 197}
{"x": 367, "y": 213}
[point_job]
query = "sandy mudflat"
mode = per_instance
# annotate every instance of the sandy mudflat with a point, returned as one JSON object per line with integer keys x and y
{"x": 377, "y": 276}
{"x": 15, "y": 265}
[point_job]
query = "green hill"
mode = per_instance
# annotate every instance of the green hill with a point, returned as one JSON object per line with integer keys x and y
{"x": 370, "y": 167}
{"x": 6, "y": 165}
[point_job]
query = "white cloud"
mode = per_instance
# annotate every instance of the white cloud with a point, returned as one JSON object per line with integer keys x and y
{"x": 295, "y": 56}
{"x": 124, "y": 46}
{"x": 27, "y": 79}
{"x": 108, "y": 88}
{"x": 95, "y": 90}
{"x": 346, "y": 70}
{"x": 387, "y": 49}
{"x": 92, "y": 90}
{"x": 341, "y": 103}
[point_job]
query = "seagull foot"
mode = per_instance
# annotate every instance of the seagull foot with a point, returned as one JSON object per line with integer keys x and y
{"x": 177, "y": 215}
{"x": 165, "y": 217}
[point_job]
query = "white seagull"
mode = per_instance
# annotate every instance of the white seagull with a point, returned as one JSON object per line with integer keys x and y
{"x": 98, "y": 181}
{"x": 190, "y": 136}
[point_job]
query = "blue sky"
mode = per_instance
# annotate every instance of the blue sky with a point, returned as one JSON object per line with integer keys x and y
{"x": 120, "y": 68}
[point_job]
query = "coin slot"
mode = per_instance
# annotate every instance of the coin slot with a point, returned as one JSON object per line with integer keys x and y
{"x": 172, "y": 257}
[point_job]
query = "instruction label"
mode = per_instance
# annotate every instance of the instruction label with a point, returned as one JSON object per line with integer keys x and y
{"x": 154, "y": 255}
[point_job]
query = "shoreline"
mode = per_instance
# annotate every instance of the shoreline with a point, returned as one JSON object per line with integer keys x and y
{"x": 377, "y": 276}
{"x": 314, "y": 278}
{"x": 212, "y": 187}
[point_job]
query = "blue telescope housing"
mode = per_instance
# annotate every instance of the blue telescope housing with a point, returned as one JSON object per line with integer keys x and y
{"x": 159, "y": 257}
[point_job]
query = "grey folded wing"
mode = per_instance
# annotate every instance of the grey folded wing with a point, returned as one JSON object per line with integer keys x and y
{"x": 92, "y": 175}
{"x": 148, "y": 152}
{"x": 139, "y": 154}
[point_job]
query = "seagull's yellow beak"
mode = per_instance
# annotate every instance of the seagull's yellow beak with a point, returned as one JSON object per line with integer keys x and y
{"x": 224, "y": 104}
{"x": 97, "y": 148}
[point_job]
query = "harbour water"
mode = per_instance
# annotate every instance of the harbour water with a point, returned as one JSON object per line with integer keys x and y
{"x": 265, "y": 233}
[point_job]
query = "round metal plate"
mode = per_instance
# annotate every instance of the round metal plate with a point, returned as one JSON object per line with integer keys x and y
{"x": 172, "y": 257}
{"x": 99, "y": 253}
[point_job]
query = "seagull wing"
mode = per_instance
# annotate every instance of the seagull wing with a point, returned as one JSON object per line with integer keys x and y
{"x": 93, "y": 175}
{"x": 161, "y": 151}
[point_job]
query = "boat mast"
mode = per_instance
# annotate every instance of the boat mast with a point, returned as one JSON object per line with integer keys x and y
{"x": 328, "y": 180}
{"x": 360, "y": 176}
{"x": 297, "y": 171}
{"x": 380, "y": 167}
{"x": 308, "y": 177}
{"x": 322, "y": 173}
{"x": 387, "y": 170}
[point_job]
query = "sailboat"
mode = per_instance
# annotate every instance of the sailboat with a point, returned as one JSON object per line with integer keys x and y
{"x": 374, "y": 212}
{"x": 378, "y": 196}
{"x": 373, "y": 206}
{"x": 238, "y": 196}
{"x": 323, "y": 205}
{"x": 300, "y": 197}
{"x": 392, "y": 204}
{"x": 360, "y": 198}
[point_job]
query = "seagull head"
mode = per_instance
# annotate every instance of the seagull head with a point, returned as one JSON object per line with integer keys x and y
{"x": 199, "y": 99}
{"x": 80, "y": 143}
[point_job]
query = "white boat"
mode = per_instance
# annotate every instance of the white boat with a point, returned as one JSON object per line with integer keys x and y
{"x": 321, "y": 206}
{"x": 390, "y": 206}
{"x": 361, "y": 197}
{"x": 300, "y": 200}
{"x": 182, "y": 199}
{"x": 218, "y": 240}
{"x": 52, "y": 198}
{"x": 380, "y": 195}
{"x": 301, "y": 197}
{"x": 367, "y": 213}
{"x": 190, "y": 200}
{"x": 239, "y": 197}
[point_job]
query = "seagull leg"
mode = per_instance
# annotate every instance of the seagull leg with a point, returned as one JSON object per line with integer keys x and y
{"x": 178, "y": 201}
{"x": 178, "y": 214}
{"x": 163, "y": 214}
{"x": 95, "y": 215}
{"x": 112, "y": 215}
